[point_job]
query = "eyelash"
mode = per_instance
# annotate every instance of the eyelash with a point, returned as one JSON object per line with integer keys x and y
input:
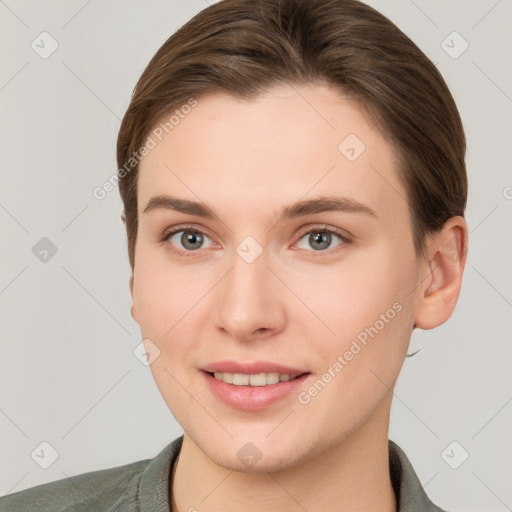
{"x": 315, "y": 229}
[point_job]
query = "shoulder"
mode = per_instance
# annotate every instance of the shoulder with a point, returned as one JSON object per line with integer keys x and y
{"x": 96, "y": 490}
{"x": 136, "y": 487}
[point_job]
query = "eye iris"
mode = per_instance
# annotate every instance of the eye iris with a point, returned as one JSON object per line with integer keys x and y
{"x": 324, "y": 239}
{"x": 190, "y": 238}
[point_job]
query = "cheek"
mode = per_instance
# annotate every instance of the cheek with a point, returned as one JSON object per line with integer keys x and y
{"x": 371, "y": 317}
{"x": 168, "y": 309}
{"x": 352, "y": 296}
{"x": 165, "y": 294}
{"x": 368, "y": 307}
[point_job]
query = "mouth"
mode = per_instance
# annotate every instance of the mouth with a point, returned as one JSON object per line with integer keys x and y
{"x": 254, "y": 391}
{"x": 255, "y": 379}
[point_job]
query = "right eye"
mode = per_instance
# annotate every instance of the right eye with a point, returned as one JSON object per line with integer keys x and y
{"x": 186, "y": 240}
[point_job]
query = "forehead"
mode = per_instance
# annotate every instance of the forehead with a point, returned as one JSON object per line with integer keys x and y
{"x": 288, "y": 143}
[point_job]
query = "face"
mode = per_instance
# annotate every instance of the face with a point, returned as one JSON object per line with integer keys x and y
{"x": 304, "y": 266}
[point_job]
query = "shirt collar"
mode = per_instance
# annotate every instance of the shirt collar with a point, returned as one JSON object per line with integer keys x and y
{"x": 409, "y": 492}
{"x": 153, "y": 488}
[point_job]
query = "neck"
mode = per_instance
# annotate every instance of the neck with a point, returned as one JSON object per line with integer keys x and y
{"x": 352, "y": 475}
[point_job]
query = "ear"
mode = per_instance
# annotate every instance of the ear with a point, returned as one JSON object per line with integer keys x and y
{"x": 133, "y": 309}
{"x": 439, "y": 291}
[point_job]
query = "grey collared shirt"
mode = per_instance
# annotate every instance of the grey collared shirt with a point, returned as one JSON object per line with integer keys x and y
{"x": 143, "y": 486}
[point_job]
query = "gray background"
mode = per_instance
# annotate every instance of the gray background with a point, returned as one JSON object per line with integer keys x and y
{"x": 68, "y": 373}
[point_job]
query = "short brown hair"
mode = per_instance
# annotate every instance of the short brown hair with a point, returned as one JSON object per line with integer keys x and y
{"x": 244, "y": 47}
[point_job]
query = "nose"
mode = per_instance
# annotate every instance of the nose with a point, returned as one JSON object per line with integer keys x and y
{"x": 249, "y": 302}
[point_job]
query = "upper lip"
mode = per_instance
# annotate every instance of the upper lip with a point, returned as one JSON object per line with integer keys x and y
{"x": 251, "y": 368}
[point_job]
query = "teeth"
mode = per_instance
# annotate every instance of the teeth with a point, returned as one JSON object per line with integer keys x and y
{"x": 258, "y": 379}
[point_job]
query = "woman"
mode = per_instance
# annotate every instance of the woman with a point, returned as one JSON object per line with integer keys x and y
{"x": 294, "y": 185}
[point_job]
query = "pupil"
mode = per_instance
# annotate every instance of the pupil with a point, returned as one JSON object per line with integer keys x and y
{"x": 323, "y": 239}
{"x": 190, "y": 239}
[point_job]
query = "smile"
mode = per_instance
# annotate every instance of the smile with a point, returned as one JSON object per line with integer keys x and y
{"x": 255, "y": 379}
{"x": 255, "y": 391}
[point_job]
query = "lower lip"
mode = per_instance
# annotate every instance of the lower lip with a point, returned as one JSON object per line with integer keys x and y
{"x": 253, "y": 398}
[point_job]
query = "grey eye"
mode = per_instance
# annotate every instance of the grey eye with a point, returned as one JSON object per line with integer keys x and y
{"x": 189, "y": 240}
{"x": 319, "y": 240}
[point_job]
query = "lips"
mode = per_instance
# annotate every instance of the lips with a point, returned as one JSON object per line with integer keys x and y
{"x": 254, "y": 398}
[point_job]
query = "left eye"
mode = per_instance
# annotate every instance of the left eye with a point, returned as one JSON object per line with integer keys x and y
{"x": 189, "y": 240}
{"x": 320, "y": 239}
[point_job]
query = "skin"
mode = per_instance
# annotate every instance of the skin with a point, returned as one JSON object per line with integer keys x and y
{"x": 295, "y": 304}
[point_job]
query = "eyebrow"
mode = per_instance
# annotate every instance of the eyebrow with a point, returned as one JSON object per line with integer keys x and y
{"x": 298, "y": 209}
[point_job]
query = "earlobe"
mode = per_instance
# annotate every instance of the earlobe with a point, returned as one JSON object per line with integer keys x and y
{"x": 440, "y": 290}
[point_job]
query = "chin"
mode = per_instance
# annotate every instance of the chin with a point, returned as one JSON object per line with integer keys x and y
{"x": 251, "y": 451}
{"x": 251, "y": 461}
